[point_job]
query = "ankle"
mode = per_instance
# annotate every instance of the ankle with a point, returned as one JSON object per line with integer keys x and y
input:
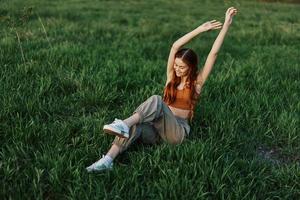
{"x": 127, "y": 124}
{"x": 132, "y": 120}
{"x": 113, "y": 151}
{"x": 108, "y": 159}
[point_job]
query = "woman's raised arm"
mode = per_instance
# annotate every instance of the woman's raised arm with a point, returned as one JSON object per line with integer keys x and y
{"x": 210, "y": 25}
{"x": 212, "y": 56}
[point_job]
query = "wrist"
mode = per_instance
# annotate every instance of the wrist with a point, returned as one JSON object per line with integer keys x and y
{"x": 200, "y": 29}
{"x": 226, "y": 24}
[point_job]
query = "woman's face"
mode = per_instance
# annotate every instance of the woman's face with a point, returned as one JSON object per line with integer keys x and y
{"x": 181, "y": 69}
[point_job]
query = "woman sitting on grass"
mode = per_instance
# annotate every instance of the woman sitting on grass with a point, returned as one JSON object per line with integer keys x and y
{"x": 166, "y": 119}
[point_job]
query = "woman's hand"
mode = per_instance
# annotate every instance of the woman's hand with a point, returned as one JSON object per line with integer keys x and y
{"x": 229, "y": 15}
{"x": 211, "y": 25}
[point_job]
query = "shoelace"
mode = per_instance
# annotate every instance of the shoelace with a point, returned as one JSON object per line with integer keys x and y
{"x": 118, "y": 123}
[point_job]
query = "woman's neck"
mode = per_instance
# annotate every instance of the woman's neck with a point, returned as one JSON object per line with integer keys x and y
{"x": 183, "y": 79}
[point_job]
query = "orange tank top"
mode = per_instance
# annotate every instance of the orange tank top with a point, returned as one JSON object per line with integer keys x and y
{"x": 183, "y": 99}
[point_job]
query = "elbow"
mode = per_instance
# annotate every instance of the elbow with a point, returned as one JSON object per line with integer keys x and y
{"x": 175, "y": 46}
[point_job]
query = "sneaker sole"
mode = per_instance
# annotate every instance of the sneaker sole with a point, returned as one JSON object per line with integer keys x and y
{"x": 98, "y": 171}
{"x": 111, "y": 132}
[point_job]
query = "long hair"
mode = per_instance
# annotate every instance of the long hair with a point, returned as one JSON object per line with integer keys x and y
{"x": 189, "y": 57}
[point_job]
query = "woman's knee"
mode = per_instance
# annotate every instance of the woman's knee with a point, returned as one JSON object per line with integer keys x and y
{"x": 156, "y": 98}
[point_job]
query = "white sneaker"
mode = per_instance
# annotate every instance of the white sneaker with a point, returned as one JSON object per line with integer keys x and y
{"x": 100, "y": 165}
{"x": 118, "y": 127}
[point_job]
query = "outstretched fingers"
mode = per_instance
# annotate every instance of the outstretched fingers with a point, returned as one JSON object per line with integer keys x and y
{"x": 216, "y": 25}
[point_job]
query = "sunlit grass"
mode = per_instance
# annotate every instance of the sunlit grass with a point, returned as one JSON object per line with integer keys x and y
{"x": 69, "y": 67}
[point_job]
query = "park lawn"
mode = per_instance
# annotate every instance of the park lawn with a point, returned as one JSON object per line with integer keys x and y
{"x": 69, "y": 67}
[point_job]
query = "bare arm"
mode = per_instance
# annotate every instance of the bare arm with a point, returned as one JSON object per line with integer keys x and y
{"x": 212, "y": 56}
{"x": 187, "y": 37}
{"x": 211, "y": 25}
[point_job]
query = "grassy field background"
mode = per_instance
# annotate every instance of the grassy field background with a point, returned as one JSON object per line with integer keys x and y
{"x": 69, "y": 67}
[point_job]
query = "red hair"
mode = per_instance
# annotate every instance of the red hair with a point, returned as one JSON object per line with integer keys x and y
{"x": 189, "y": 57}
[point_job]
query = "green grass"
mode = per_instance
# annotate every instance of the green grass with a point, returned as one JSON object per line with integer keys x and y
{"x": 85, "y": 63}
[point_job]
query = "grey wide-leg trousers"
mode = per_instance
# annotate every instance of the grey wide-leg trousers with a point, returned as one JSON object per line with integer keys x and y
{"x": 157, "y": 123}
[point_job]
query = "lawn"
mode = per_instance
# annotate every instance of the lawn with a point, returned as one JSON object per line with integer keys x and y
{"x": 69, "y": 67}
